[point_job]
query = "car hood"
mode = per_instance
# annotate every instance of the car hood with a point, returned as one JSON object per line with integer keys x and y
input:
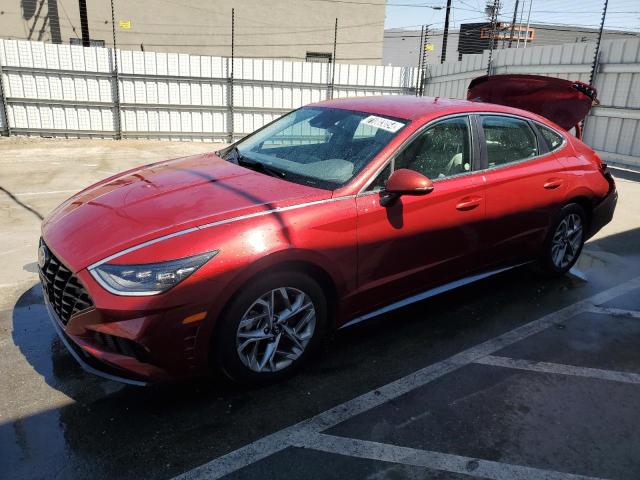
{"x": 160, "y": 199}
{"x": 564, "y": 102}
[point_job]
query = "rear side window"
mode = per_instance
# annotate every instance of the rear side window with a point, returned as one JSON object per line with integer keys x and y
{"x": 508, "y": 140}
{"x": 554, "y": 140}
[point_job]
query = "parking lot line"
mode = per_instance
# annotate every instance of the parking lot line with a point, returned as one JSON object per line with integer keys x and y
{"x": 616, "y": 312}
{"x": 432, "y": 460}
{"x": 305, "y": 431}
{"x": 560, "y": 369}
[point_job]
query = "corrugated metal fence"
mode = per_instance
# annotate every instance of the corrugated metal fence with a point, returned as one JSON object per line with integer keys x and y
{"x": 613, "y": 127}
{"x": 64, "y": 90}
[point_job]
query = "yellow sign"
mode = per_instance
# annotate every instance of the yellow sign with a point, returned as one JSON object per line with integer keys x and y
{"x": 428, "y": 47}
{"x": 125, "y": 24}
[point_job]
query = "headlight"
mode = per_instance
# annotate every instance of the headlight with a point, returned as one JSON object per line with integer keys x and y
{"x": 149, "y": 278}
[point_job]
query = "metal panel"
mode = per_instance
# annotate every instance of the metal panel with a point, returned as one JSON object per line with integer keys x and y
{"x": 612, "y": 128}
{"x": 67, "y": 90}
{"x": 62, "y": 89}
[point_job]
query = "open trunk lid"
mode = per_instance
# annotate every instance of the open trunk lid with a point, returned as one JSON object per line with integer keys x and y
{"x": 564, "y": 102}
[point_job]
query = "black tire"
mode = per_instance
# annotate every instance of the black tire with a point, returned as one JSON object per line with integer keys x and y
{"x": 225, "y": 347}
{"x": 545, "y": 264}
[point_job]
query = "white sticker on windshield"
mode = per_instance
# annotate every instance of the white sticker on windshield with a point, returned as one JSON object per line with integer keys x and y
{"x": 383, "y": 123}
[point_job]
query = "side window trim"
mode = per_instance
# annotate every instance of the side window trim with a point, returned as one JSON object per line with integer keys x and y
{"x": 434, "y": 123}
{"x": 475, "y": 149}
{"x": 485, "y": 156}
{"x": 543, "y": 148}
{"x": 540, "y": 126}
{"x": 479, "y": 157}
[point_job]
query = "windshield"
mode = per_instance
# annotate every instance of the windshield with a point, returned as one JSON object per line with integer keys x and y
{"x": 321, "y": 147}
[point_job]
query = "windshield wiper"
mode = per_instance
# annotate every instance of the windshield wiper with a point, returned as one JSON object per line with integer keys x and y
{"x": 234, "y": 156}
{"x": 261, "y": 167}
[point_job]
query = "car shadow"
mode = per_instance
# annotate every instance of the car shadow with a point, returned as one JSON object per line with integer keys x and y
{"x": 161, "y": 431}
{"x": 45, "y": 352}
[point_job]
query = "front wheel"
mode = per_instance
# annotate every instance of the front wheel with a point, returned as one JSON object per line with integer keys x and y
{"x": 271, "y": 327}
{"x": 564, "y": 242}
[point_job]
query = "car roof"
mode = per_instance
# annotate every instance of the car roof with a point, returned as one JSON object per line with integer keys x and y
{"x": 410, "y": 107}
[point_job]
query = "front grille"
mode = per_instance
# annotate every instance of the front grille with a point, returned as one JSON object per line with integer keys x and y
{"x": 66, "y": 294}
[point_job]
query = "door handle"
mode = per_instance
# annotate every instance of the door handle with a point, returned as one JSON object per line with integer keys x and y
{"x": 553, "y": 183}
{"x": 468, "y": 203}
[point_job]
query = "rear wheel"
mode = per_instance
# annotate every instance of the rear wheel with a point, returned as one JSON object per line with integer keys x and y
{"x": 564, "y": 242}
{"x": 271, "y": 328}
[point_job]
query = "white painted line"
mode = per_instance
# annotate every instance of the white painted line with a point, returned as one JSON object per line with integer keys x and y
{"x": 560, "y": 369}
{"x": 624, "y": 169}
{"x": 299, "y": 432}
{"x": 51, "y": 192}
{"x": 616, "y": 312}
{"x": 576, "y": 272}
{"x": 433, "y": 460}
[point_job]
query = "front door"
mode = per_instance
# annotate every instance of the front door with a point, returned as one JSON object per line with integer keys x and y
{"x": 422, "y": 241}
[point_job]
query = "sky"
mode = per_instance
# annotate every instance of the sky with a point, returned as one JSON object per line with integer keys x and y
{"x": 621, "y": 14}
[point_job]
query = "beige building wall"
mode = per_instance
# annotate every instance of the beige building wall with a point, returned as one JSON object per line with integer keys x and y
{"x": 270, "y": 28}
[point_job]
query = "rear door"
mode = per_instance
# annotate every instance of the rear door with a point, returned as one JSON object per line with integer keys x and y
{"x": 525, "y": 187}
{"x": 423, "y": 241}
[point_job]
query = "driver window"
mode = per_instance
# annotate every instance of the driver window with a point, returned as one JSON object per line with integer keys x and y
{"x": 441, "y": 151}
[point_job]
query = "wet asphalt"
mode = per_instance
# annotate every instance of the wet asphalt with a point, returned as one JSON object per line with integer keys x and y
{"x": 556, "y": 422}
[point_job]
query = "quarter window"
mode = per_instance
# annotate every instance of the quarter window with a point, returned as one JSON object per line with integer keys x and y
{"x": 553, "y": 139}
{"x": 441, "y": 151}
{"x": 508, "y": 140}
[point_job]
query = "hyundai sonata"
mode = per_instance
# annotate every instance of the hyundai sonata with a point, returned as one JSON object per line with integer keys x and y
{"x": 241, "y": 260}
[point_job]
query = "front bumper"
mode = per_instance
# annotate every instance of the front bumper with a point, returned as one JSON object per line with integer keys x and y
{"x": 135, "y": 340}
{"x": 87, "y": 361}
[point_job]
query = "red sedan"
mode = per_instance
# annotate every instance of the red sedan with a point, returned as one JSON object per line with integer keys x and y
{"x": 241, "y": 260}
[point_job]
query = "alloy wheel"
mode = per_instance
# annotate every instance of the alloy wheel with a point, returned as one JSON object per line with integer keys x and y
{"x": 276, "y": 329}
{"x": 567, "y": 240}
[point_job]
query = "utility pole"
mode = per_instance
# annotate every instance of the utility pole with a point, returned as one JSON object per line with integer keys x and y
{"x": 231, "y": 122}
{"x": 520, "y": 24}
{"x": 445, "y": 36}
{"x": 116, "y": 81}
{"x": 494, "y": 8}
{"x": 333, "y": 59}
{"x": 5, "y": 110}
{"x": 526, "y": 38}
{"x": 84, "y": 23}
{"x": 594, "y": 65}
{"x": 513, "y": 23}
{"x": 419, "y": 75}
{"x": 423, "y": 64}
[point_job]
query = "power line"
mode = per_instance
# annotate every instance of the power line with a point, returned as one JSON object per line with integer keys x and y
{"x": 247, "y": 34}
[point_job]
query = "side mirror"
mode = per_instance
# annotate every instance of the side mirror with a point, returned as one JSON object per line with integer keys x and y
{"x": 405, "y": 182}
